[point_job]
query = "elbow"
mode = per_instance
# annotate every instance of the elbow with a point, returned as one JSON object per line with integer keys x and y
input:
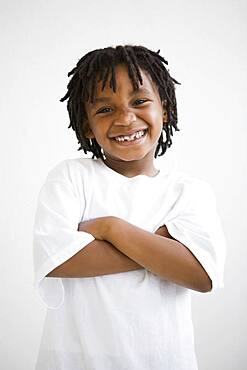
{"x": 207, "y": 286}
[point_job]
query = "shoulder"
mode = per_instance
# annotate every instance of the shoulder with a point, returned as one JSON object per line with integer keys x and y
{"x": 69, "y": 170}
{"x": 186, "y": 180}
{"x": 69, "y": 176}
{"x": 190, "y": 188}
{"x": 178, "y": 178}
{"x": 190, "y": 196}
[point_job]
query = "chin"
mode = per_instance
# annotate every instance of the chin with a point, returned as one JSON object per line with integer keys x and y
{"x": 130, "y": 158}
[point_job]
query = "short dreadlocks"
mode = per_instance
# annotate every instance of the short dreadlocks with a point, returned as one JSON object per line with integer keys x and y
{"x": 96, "y": 66}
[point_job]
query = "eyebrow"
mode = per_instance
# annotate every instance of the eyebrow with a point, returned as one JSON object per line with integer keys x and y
{"x": 104, "y": 99}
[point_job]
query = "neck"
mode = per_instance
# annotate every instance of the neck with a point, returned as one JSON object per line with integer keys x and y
{"x": 132, "y": 168}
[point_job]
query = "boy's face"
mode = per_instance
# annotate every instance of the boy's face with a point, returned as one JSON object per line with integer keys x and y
{"x": 124, "y": 112}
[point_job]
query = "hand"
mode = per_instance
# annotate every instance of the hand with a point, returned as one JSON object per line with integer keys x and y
{"x": 162, "y": 231}
{"x": 97, "y": 227}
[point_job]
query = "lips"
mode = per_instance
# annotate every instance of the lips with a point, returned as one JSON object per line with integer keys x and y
{"x": 129, "y": 133}
{"x": 136, "y": 142}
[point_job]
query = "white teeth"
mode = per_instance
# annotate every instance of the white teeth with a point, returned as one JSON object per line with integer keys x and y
{"x": 131, "y": 137}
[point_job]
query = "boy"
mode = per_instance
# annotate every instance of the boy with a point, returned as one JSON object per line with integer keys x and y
{"x": 118, "y": 243}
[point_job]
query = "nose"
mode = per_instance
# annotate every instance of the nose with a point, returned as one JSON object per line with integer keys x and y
{"x": 125, "y": 117}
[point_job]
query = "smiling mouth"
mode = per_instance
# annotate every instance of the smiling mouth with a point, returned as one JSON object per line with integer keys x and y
{"x": 133, "y": 139}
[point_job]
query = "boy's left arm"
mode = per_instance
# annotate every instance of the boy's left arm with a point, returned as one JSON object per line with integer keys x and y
{"x": 162, "y": 256}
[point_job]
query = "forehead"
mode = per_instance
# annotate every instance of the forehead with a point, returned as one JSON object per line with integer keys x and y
{"x": 125, "y": 84}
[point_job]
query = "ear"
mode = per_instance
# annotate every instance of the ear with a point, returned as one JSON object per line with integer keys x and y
{"x": 87, "y": 131}
{"x": 165, "y": 115}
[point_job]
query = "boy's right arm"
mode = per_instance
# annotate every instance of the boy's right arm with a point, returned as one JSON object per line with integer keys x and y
{"x": 98, "y": 258}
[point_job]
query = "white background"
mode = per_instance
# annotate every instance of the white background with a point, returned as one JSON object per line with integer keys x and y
{"x": 205, "y": 45}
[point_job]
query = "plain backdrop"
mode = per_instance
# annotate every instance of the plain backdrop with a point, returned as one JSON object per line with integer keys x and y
{"x": 205, "y": 45}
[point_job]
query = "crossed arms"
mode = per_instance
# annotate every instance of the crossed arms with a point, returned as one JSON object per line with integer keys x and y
{"x": 120, "y": 246}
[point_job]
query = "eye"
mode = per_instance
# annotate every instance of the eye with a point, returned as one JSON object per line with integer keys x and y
{"x": 140, "y": 101}
{"x": 103, "y": 110}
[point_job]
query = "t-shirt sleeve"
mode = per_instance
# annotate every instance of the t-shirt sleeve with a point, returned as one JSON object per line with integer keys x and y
{"x": 55, "y": 236}
{"x": 198, "y": 226}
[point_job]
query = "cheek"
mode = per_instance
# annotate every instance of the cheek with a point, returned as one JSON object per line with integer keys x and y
{"x": 155, "y": 118}
{"x": 94, "y": 126}
{"x": 99, "y": 131}
{"x": 153, "y": 111}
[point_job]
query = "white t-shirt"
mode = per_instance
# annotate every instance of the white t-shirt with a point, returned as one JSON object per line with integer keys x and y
{"x": 131, "y": 320}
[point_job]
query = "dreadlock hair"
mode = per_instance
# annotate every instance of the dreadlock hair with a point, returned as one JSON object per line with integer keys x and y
{"x": 96, "y": 66}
